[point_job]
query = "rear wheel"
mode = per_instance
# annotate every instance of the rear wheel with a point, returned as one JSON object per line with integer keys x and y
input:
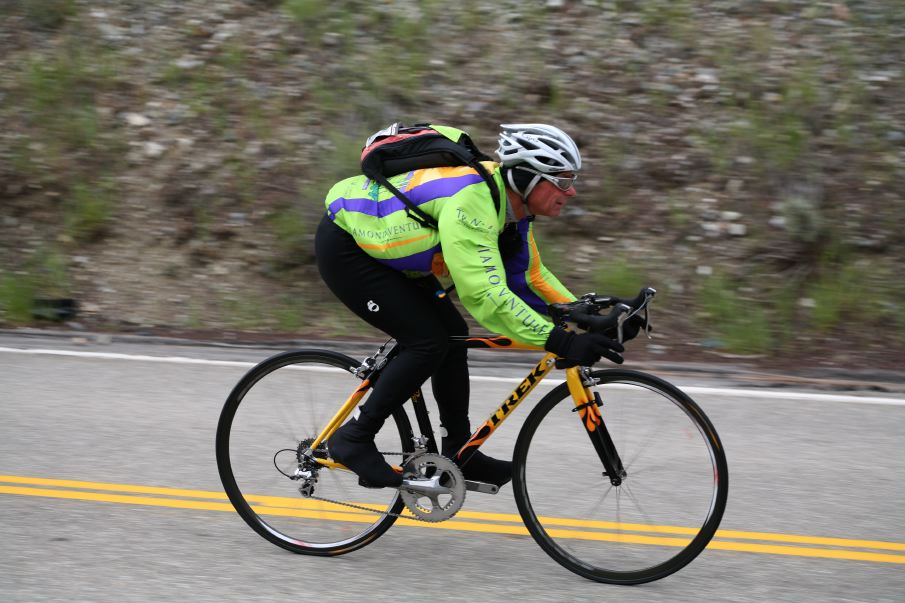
{"x": 658, "y": 517}
{"x": 269, "y": 420}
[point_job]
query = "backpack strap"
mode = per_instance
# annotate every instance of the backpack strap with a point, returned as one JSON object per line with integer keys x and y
{"x": 419, "y": 215}
{"x": 413, "y": 211}
{"x": 491, "y": 184}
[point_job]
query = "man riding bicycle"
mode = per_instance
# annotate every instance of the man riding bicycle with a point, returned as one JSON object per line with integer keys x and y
{"x": 384, "y": 266}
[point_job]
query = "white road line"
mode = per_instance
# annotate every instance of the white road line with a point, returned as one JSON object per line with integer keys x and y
{"x": 549, "y": 382}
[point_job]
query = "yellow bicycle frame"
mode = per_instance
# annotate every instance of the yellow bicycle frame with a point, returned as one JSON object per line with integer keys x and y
{"x": 581, "y": 395}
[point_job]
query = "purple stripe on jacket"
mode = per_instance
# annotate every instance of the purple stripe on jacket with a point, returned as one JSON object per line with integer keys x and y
{"x": 441, "y": 187}
{"x": 418, "y": 262}
{"x": 517, "y": 271}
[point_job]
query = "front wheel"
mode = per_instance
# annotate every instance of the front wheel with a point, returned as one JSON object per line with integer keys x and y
{"x": 663, "y": 509}
{"x": 268, "y": 422}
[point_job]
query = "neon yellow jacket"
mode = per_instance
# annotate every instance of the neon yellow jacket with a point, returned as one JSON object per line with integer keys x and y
{"x": 508, "y": 298}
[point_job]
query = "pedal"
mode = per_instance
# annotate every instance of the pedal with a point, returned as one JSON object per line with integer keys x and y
{"x": 481, "y": 487}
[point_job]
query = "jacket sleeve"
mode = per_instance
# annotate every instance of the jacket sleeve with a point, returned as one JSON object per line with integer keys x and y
{"x": 530, "y": 278}
{"x": 469, "y": 230}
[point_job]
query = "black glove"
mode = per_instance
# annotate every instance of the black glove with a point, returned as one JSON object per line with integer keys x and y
{"x": 582, "y": 349}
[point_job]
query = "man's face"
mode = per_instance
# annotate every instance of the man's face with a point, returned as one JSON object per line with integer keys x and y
{"x": 547, "y": 199}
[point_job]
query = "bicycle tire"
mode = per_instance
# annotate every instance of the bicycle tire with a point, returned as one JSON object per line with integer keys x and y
{"x": 264, "y": 496}
{"x": 664, "y": 525}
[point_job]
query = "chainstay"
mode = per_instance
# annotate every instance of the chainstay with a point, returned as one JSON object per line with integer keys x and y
{"x": 370, "y": 509}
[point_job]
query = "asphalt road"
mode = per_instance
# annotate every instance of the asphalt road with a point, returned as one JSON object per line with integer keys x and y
{"x": 109, "y": 492}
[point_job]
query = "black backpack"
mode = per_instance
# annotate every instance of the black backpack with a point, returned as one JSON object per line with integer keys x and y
{"x": 399, "y": 149}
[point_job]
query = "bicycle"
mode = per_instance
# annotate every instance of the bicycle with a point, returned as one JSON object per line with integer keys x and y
{"x": 636, "y": 462}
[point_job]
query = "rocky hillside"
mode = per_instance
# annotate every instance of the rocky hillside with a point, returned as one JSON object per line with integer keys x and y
{"x": 163, "y": 163}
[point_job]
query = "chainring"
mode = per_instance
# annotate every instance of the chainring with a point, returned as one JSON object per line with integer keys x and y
{"x": 441, "y": 501}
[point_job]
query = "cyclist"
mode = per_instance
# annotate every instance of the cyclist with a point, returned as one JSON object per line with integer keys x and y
{"x": 384, "y": 267}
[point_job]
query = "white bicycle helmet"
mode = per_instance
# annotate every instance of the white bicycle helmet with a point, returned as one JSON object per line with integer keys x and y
{"x": 544, "y": 148}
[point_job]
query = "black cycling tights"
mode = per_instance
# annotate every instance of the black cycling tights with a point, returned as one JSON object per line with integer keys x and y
{"x": 409, "y": 311}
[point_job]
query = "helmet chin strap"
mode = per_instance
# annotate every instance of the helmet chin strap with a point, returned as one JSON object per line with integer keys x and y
{"x": 528, "y": 188}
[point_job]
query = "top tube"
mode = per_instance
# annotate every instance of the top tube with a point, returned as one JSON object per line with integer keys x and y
{"x": 496, "y": 342}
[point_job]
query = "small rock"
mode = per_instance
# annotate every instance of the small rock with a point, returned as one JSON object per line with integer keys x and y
{"x": 136, "y": 119}
{"x": 704, "y": 270}
{"x": 730, "y": 216}
{"x": 807, "y": 302}
{"x": 238, "y": 219}
{"x": 737, "y": 230}
{"x": 777, "y": 222}
{"x": 830, "y": 22}
{"x": 188, "y": 62}
{"x": 331, "y": 39}
{"x": 154, "y": 149}
{"x": 707, "y": 76}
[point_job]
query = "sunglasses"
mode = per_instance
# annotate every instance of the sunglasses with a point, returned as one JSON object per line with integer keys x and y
{"x": 563, "y": 183}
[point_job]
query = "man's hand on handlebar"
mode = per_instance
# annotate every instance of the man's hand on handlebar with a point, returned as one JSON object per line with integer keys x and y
{"x": 630, "y": 328}
{"x": 583, "y": 349}
{"x": 604, "y": 332}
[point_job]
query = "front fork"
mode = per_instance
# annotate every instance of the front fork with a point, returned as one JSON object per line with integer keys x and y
{"x": 587, "y": 404}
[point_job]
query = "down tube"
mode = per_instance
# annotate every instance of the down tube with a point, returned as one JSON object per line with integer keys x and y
{"x": 541, "y": 370}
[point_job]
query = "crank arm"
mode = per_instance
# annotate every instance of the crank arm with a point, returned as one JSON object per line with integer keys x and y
{"x": 481, "y": 487}
{"x": 429, "y": 486}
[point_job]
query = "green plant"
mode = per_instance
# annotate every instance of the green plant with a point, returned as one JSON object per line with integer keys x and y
{"x": 618, "y": 277}
{"x": 290, "y": 312}
{"x": 803, "y": 219}
{"x": 840, "y": 290}
{"x": 41, "y": 14}
{"x": 232, "y": 57}
{"x": 291, "y": 229}
{"x": 244, "y": 311}
{"x": 17, "y": 294}
{"x": 307, "y": 12}
{"x": 43, "y": 274}
{"x": 88, "y": 212}
{"x": 48, "y": 271}
{"x": 738, "y": 324}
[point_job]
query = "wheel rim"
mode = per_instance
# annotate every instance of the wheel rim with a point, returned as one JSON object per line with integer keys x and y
{"x": 663, "y": 512}
{"x": 276, "y": 411}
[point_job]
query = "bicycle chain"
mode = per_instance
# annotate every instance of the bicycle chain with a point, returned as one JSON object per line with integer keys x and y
{"x": 370, "y": 509}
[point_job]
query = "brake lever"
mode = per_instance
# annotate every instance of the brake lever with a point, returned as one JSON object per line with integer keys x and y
{"x": 625, "y": 313}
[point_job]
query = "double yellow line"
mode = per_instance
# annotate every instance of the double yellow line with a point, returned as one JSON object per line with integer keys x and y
{"x": 468, "y": 521}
